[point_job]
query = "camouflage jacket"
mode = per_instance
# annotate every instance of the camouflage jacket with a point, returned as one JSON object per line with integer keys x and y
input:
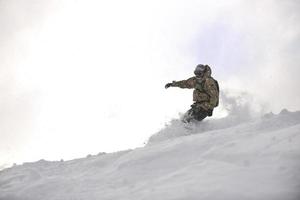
{"x": 206, "y": 92}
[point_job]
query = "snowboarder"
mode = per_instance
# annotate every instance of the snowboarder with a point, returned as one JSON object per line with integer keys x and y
{"x": 205, "y": 95}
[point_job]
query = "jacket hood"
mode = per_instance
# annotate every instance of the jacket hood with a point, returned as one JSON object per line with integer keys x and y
{"x": 207, "y": 71}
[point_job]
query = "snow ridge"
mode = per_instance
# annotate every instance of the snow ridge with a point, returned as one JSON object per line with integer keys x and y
{"x": 256, "y": 159}
{"x": 175, "y": 128}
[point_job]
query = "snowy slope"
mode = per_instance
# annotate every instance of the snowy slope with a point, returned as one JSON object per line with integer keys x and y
{"x": 255, "y": 159}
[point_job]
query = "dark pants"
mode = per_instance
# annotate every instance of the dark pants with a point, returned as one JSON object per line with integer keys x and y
{"x": 196, "y": 113}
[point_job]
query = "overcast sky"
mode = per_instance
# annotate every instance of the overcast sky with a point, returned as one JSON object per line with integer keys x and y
{"x": 79, "y": 77}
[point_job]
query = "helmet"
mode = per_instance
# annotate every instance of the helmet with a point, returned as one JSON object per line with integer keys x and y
{"x": 200, "y": 70}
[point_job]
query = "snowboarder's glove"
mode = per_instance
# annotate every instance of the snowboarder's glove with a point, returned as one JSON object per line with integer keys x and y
{"x": 168, "y": 85}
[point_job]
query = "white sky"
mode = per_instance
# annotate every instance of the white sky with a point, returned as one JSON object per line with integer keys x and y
{"x": 81, "y": 77}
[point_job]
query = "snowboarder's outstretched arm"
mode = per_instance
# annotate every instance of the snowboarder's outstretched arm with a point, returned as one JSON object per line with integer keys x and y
{"x": 189, "y": 83}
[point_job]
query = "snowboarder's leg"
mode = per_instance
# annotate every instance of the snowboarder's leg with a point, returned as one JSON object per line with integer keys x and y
{"x": 200, "y": 115}
{"x": 196, "y": 113}
{"x": 188, "y": 116}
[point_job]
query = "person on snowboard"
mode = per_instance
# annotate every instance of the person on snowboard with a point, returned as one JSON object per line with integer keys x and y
{"x": 205, "y": 95}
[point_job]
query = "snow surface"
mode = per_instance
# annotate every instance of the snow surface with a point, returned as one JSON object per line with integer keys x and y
{"x": 217, "y": 159}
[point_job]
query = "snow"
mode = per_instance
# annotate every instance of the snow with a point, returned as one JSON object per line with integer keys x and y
{"x": 229, "y": 158}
